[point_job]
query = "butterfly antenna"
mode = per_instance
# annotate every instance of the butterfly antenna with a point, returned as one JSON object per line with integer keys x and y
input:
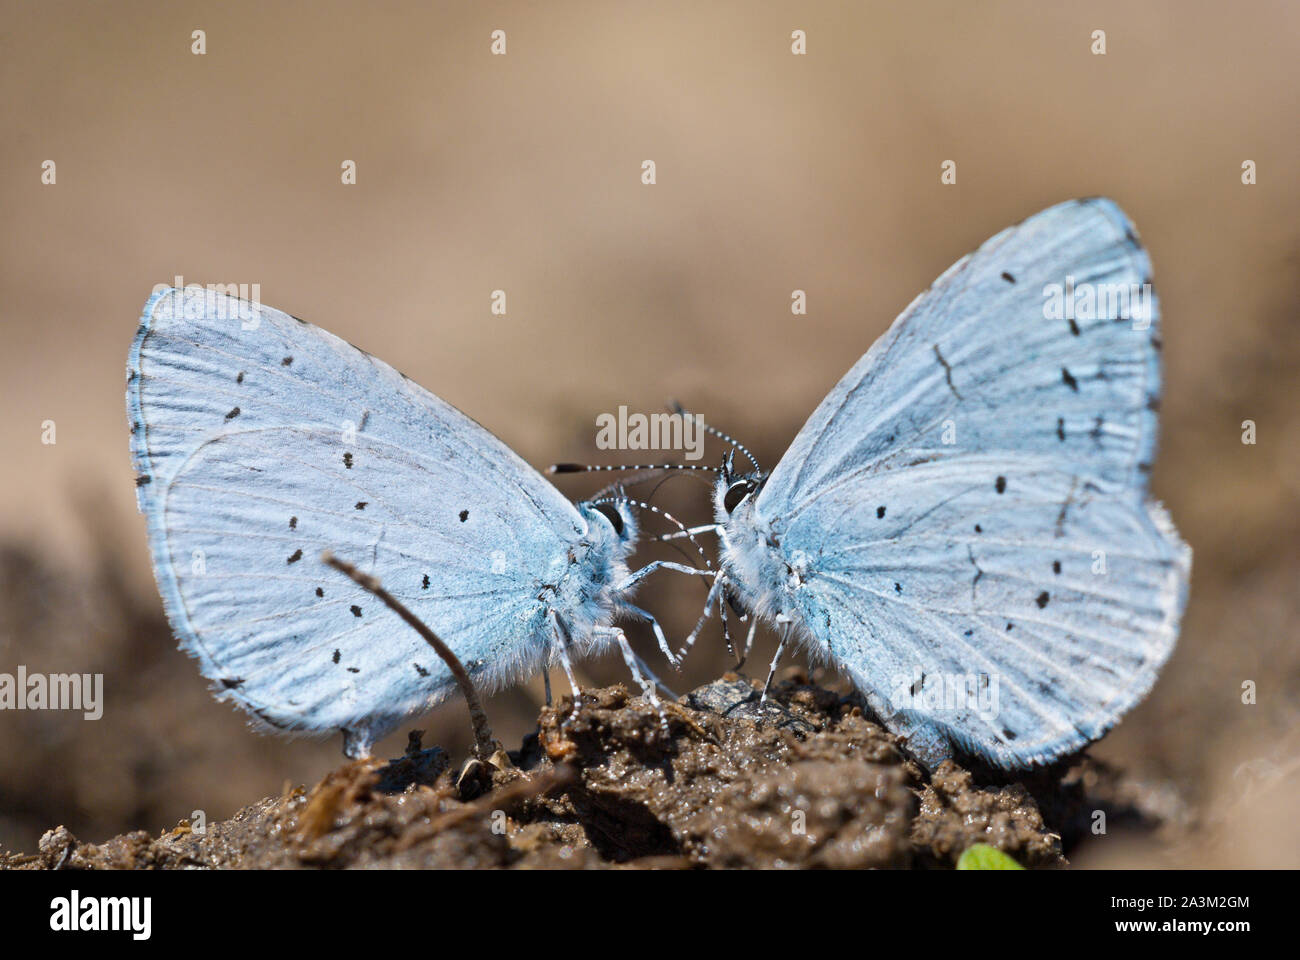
{"x": 618, "y": 485}
{"x": 485, "y": 744}
{"x": 642, "y": 505}
{"x": 597, "y": 467}
{"x": 677, "y": 408}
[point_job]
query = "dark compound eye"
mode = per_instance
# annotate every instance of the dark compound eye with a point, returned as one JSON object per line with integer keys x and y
{"x": 735, "y": 493}
{"x": 612, "y": 514}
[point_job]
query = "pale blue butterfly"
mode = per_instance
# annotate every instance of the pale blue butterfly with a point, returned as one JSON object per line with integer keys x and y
{"x": 963, "y": 525}
{"x": 261, "y": 441}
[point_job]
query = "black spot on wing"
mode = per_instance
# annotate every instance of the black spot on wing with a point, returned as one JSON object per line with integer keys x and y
{"x": 320, "y": 592}
{"x": 1068, "y": 379}
{"x": 295, "y": 556}
{"x": 880, "y": 513}
{"x": 1041, "y": 600}
{"x": 354, "y": 669}
{"x": 293, "y": 523}
{"x": 356, "y": 611}
{"x": 1000, "y": 485}
{"x": 420, "y": 670}
{"x": 232, "y": 414}
{"x": 1008, "y": 277}
{"x": 347, "y": 460}
{"x": 1074, "y": 327}
{"x": 231, "y": 683}
{"x": 1008, "y": 733}
{"x": 978, "y": 528}
{"x": 143, "y": 479}
{"x": 240, "y": 377}
{"x": 464, "y": 515}
{"x": 361, "y": 504}
{"x": 425, "y": 584}
{"x": 1060, "y": 429}
{"x": 898, "y": 588}
{"x": 336, "y": 656}
{"x": 286, "y": 361}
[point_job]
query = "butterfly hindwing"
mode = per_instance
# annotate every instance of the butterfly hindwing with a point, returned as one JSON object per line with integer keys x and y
{"x": 1059, "y": 605}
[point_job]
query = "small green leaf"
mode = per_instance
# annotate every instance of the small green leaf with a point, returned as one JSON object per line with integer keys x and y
{"x": 981, "y": 856}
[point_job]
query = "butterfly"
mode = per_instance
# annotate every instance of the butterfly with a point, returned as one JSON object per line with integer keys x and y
{"x": 963, "y": 525}
{"x": 260, "y": 442}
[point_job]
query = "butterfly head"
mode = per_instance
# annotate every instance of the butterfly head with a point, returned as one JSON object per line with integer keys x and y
{"x": 734, "y": 490}
{"x": 610, "y": 519}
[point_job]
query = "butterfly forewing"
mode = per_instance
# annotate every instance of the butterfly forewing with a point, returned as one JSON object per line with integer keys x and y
{"x": 261, "y": 441}
{"x": 981, "y": 362}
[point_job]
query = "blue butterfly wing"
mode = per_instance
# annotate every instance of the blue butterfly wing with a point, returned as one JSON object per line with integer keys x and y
{"x": 981, "y": 437}
{"x": 261, "y": 441}
{"x": 1065, "y": 600}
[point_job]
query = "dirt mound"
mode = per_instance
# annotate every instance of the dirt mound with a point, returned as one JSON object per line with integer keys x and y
{"x": 806, "y": 780}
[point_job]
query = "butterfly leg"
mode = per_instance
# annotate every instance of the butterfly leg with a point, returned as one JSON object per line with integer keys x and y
{"x": 780, "y": 649}
{"x": 689, "y": 532}
{"x": 726, "y": 625}
{"x": 635, "y": 665}
{"x": 644, "y": 667}
{"x": 639, "y": 575}
{"x": 546, "y": 671}
{"x": 714, "y": 592}
{"x": 562, "y": 651}
{"x": 749, "y": 642}
{"x": 658, "y": 630}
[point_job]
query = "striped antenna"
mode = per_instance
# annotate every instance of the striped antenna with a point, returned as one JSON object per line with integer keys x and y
{"x": 598, "y": 468}
{"x": 677, "y": 408}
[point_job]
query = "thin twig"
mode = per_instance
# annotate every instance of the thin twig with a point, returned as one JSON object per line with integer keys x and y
{"x": 485, "y": 744}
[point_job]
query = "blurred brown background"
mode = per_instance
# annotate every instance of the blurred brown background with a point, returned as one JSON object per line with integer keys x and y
{"x": 522, "y": 172}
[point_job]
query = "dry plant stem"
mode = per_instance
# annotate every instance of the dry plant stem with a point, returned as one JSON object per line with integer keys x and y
{"x": 485, "y": 745}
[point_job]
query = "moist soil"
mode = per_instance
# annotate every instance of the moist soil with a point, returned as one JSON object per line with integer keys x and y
{"x": 719, "y": 780}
